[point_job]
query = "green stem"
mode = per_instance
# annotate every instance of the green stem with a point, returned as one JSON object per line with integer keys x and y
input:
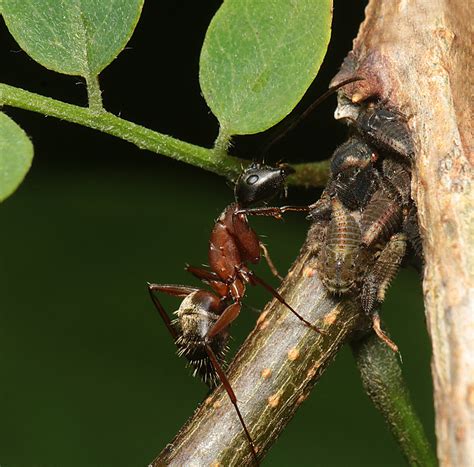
{"x": 310, "y": 174}
{"x": 214, "y": 160}
{"x": 383, "y": 381}
{"x": 222, "y": 142}
{"x": 142, "y": 137}
{"x": 94, "y": 94}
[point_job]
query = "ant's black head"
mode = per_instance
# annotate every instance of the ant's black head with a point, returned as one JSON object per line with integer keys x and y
{"x": 259, "y": 183}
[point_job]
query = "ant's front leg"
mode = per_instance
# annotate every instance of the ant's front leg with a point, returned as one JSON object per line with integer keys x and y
{"x": 321, "y": 209}
{"x": 275, "y": 212}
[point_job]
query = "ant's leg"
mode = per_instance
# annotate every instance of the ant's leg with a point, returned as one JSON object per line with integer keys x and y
{"x": 319, "y": 209}
{"x": 230, "y": 392}
{"x": 202, "y": 274}
{"x": 380, "y": 334}
{"x": 271, "y": 265}
{"x": 175, "y": 291}
{"x": 211, "y": 278}
{"x": 255, "y": 279}
{"x": 230, "y": 313}
{"x": 275, "y": 212}
{"x": 227, "y": 316}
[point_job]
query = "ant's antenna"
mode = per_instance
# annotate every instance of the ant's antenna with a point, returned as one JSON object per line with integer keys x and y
{"x": 298, "y": 118}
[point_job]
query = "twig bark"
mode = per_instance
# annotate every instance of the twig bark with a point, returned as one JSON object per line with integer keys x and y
{"x": 419, "y": 55}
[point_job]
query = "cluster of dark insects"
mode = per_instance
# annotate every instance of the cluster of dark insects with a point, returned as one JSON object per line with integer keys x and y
{"x": 371, "y": 219}
{"x": 369, "y": 223}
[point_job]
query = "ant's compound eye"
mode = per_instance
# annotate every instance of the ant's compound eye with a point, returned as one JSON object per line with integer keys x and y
{"x": 252, "y": 179}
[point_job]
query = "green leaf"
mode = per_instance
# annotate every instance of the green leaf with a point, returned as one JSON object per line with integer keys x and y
{"x": 259, "y": 58}
{"x": 74, "y": 37}
{"x": 16, "y": 154}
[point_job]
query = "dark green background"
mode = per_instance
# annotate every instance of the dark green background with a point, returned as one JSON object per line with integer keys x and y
{"x": 88, "y": 373}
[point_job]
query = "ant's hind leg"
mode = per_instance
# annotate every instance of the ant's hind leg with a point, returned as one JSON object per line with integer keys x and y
{"x": 230, "y": 392}
{"x": 224, "y": 320}
{"x": 170, "y": 289}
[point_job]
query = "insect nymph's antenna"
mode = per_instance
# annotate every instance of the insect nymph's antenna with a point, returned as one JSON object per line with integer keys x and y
{"x": 298, "y": 118}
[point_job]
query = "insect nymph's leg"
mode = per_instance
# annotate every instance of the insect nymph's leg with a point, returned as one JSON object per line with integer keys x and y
{"x": 376, "y": 326}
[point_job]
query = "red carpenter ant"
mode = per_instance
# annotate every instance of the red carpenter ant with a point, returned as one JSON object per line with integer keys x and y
{"x": 203, "y": 318}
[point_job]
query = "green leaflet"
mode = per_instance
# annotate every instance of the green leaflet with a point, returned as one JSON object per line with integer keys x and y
{"x": 74, "y": 37}
{"x": 16, "y": 154}
{"x": 259, "y": 57}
